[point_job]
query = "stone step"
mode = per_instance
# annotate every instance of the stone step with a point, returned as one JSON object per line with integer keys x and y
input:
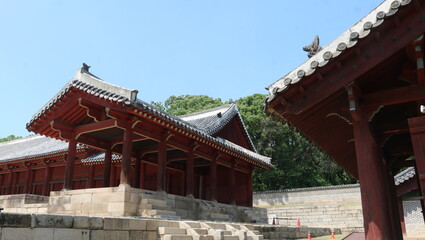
{"x": 168, "y": 217}
{"x": 171, "y": 230}
{"x": 156, "y": 202}
{"x": 176, "y": 237}
{"x": 230, "y": 237}
{"x": 206, "y": 237}
{"x": 201, "y": 231}
{"x": 194, "y": 224}
{"x": 224, "y": 232}
{"x": 217, "y": 226}
{"x": 151, "y": 206}
{"x": 156, "y": 212}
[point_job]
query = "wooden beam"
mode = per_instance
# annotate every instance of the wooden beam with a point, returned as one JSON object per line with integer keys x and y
{"x": 94, "y": 127}
{"x": 395, "y": 96}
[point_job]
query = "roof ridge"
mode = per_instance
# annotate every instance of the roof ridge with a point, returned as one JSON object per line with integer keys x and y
{"x": 206, "y": 111}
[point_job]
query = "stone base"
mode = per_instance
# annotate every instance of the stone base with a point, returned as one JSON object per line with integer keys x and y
{"x": 125, "y": 201}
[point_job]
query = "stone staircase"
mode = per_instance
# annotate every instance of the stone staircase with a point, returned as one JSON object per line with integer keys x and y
{"x": 153, "y": 206}
{"x": 208, "y": 231}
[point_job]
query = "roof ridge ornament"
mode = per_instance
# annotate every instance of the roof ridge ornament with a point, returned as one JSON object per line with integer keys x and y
{"x": 313, "y": 48}
{"x": 85, "y": 67}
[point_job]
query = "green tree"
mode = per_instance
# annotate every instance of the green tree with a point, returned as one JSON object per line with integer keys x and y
{"x": 186, "y": 104}
{"x": 9, "y": 138}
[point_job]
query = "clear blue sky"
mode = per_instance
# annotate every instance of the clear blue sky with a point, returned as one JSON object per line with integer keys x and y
{"x": 223, "y": 48}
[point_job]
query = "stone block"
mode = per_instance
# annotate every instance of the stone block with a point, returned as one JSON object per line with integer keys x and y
{"x": 124, "y": 224}
{"x": 85, "y": 222}
{"x": 99, "y": 190}
{"x": 53, "y": 221}
{"x": 104, "y": 197}
{"x": 43, "y": 233}
{"x": 15, "y": 220}
{"x": 81, "y": 198}
{"x": 17, "y": 233}
{"x": 109, "y": 235}
{"x": 94, "y": 207}
{"x": 136, "y": 235}
{"x": 116, "y": 207}
{"x": 150, "y": 235}
{"x": 152, "y": 225}
{"x": 71, "y": 234}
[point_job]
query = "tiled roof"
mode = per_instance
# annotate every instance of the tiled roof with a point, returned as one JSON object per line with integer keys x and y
{"x": 100, "y": 157}
{"x": 348, "y": 39}
{"x": 31, "y": 147}
{"x": 85, "y": 81}
{"x": 215, "y": 119}
{"x": 405, "y": 175}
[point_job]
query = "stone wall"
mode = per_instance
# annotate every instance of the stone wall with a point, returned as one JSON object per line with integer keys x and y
{"x": 332, "y": 207}
{"x": 52, "y": 227}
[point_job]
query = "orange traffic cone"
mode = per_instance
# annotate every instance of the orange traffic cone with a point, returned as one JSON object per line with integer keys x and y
{"x": 298, "y": 223}
{"x": 309, "y": 236}
{"x": 332, "y": 235}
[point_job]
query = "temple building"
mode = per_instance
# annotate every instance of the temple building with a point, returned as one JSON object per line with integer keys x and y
{"x": 361, "y": 100}
{"x": 95, "y": 135}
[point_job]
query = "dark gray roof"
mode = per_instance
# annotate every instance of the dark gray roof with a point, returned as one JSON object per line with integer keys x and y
{"x": 215, "y": 119}
{"x": 348, "y": 39}
{"x": 31, "y": 147}
{"x": 405, "y": 175}
{"x": 100, "y": 157}
{"x": 85, "y": 81}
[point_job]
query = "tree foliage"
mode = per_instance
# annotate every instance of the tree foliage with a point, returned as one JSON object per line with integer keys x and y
{"x": 297, "y": 162}
{"x": 186, "y": 104}
{"x": 9, "y": 138}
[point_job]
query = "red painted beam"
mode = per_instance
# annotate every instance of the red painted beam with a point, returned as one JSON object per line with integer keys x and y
{"x": 395, "y": 96}
{"x": 93, "y": 127}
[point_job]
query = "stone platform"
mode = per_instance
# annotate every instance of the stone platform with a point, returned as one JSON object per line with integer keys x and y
{"x": 126, "y": 201}
{"x": 53, "y": 227}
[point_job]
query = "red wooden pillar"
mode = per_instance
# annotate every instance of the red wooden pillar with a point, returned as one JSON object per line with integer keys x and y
{"x": 162, "y": 171}
{"x": 190, "y": 175}
{"x": 30, "y": 181}
{"x": 90, "y": 178}
{"x": 142, "y": 174}
{"x": 213, "y": 180}
{"x": 14, "y": 188}
{"x": 232, "y": 183}
{"x": 69, "y": 170}
{"x": 107, "y": 168}
{"x": 137, "y": 173}
{"x": 27, "y": 181}
{"x": 126, "y": 157}
{"x": 46, "y": 183}
{"x": 372, "y": 176}
{"x": 417, "y": 134}
{"x": 9, "y": 183}
{"x": 249, "y": 190}
{"x": 401, "y": 213}
{"x": 392, "y": 202}
{"x": 113, "y": 176}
